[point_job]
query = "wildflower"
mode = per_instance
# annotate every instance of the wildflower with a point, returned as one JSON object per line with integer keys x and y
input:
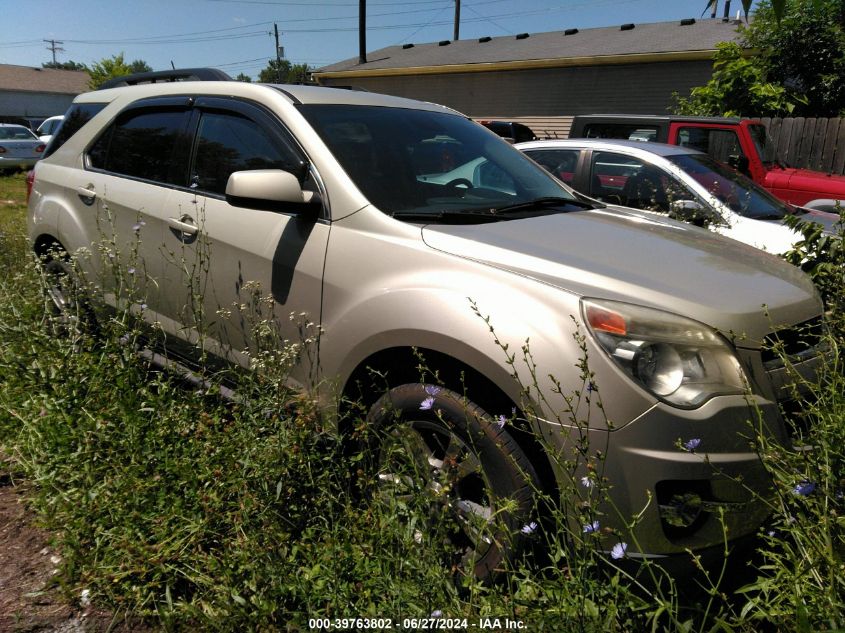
{"x": 427, "y": 404}
{"x": 436, "y": 613}
{"x": 804, "y": 488}
{"x": 500, "y": 421}
{"x": 131, "y": 271}
{"x": 586, "y": 481}
{"x": 137, "y": 227}
{"x": 589, "y": 528}
{"x": 143, "y": 306}
{"x": 432, "y": 390}
{"x": 529, "y": 528}
{"x": 618, "y": 551}
{"x": 85, "y": 598}
{"x": 692, "y": 444}
{"x": 591, "y": 387}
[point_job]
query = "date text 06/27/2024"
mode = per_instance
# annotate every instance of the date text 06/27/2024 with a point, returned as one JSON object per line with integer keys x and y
{"x": 417, "y": 624}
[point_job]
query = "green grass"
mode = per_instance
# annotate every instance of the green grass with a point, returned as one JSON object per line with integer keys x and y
{"x": 203, "y": 514}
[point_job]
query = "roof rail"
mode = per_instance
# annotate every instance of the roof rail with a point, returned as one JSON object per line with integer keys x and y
{"x": 184, "y": 74}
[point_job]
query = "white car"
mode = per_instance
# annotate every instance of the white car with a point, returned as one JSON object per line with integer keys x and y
{"x": 49, "y": 127}
{"x": 679, "y": 181}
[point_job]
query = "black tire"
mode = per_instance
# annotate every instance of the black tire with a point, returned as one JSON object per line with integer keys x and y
{"x": 484, "y": 484}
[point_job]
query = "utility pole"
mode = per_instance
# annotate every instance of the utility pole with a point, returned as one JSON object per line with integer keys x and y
{"x": 457, "y": 20}
{"x": 54, "y": 47}
{"x": 362, "y": 31}
{"x": 278, "y": 55}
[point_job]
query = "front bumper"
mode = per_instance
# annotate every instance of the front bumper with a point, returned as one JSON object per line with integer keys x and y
{"x": 682, "y": 499}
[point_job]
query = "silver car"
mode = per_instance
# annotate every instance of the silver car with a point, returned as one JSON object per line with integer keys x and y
{"x": 19, "y": 147}
{"x": 407, "y": 231}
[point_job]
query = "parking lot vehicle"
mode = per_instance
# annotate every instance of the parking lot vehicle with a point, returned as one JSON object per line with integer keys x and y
{"x": 683, "y": 183}
{"x": 515, "y": 132}
{"x": 19, "y": 147}
{"x": 49, "y": 127}
{"x": 339, "y": 205}
{"x": 741, "y": 143}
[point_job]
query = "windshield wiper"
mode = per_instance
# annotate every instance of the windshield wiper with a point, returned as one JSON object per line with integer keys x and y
{"x": 557, "y": 204}
{"x": 475, "y": 215}
{"x": 467, "y": 216}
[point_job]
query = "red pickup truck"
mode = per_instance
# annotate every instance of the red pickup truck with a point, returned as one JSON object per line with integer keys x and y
{"x": 741, "y": 143}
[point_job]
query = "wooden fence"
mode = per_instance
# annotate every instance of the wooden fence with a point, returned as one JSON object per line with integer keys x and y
{"x": 817, "y": 144}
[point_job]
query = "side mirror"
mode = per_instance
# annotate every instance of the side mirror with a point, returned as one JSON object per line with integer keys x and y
{"x": 692, "y": 212}
{"x": 270, "y": 190}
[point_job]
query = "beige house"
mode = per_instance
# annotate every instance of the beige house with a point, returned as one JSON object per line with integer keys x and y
{"x": 546, "y": 77}
{"x": 37, "y": 93}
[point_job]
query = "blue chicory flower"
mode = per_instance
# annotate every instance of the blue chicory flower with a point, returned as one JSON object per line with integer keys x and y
{"x": 436, "y": 613}
{"x": 529, "y": 528}
{"x": 501, "y": 421}
{"x": 589, "y": 528}
{"x": 618, "y": 551}
{"x": 432, "y": 390}
{"x": 804, "y": 488}
{"x": 586, "y": 481}
{"x": 692, "y": 444}
{"x": 427, "y": 404}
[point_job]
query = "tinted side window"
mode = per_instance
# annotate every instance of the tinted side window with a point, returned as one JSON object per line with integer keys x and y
{"x": 148, "y": 144}
{"x": 78, "y": 115}
{"x": 630, "y": 131}
{"x": 723, "y": 145}
{"x": 228, "y": 142}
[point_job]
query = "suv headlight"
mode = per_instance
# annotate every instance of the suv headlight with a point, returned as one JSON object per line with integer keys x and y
{"x": 681, "y": 361}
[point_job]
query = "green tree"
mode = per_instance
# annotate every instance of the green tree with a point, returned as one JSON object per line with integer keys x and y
{"x": 283, "y": 72}
{"x": 802, "y": 47}
{"x": 738, "y": 87}
{"x": 244, "y": 78}
{"x": 110, "y": 67}
{"x": 69, "y": 65}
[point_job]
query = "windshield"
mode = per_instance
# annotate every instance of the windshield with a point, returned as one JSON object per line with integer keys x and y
{"x": 765, "y": 145}
{"x": 415, "y": 163}
{"x": 731, "y": 188}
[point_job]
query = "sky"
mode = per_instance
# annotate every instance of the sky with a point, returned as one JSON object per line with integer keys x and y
{"x": 237, "y": 35}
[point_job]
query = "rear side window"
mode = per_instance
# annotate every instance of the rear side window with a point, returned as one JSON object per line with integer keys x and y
{"x": 147, "y": 144}
{"x": 77, "y": 115}
{"x": 629, "y": 131}
{"x": 723, "y": 145}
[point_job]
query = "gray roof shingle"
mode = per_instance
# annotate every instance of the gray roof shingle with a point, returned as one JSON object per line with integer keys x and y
{"x": 659, "y": 37}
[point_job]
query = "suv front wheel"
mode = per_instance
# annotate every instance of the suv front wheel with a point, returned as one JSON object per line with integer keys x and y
{"x": 438, "y": 451}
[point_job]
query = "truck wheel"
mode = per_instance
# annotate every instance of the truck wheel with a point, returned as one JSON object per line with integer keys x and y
{"x": 475, "y": 480}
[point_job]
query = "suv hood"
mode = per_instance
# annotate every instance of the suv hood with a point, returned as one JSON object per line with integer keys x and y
{"x": 630, "y": 256}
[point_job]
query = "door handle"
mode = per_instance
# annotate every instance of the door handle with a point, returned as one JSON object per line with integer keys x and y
{"x": 87, "y": 194}
{"x": 185, "y": 225}
{"x": 184, "y": 228}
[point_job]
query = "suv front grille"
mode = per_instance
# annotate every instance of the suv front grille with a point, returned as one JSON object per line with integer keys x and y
{"x": 792, "y": 343}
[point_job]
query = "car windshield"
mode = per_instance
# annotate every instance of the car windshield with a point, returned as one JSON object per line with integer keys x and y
{"x": 16, "y": 133}
{"x": 731, "y": 188}
{"x": 765, "y": 145}
{"x": 416, "y": 163}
